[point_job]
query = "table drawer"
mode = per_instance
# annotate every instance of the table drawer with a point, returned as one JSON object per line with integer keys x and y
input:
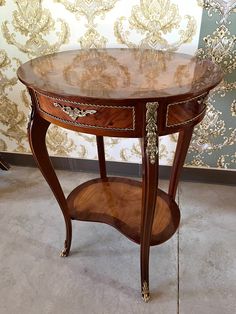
{"x": 184, "y": 112}
{"x": 88, "y": 115}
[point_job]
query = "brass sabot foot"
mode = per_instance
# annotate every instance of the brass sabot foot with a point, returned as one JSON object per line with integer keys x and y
{"x": 145, "y": 292}
{"x": 65, "y": 251}
{"x": 146, "y": 297}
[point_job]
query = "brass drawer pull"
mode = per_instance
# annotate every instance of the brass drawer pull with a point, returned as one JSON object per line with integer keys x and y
{"x": 74, "y": 113}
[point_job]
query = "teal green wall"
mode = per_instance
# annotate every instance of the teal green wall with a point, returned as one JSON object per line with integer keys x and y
{"x": 216, "y": 146}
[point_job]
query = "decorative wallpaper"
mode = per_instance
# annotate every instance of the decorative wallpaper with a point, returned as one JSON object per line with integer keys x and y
{"x": 214, "y": 140}
{"x": 31, "y": 28}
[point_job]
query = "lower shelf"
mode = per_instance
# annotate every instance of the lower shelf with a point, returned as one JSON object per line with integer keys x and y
{"x": 117, "y": 202}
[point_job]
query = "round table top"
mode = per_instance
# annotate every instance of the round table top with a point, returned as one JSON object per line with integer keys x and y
{"x": 119, "y": 73}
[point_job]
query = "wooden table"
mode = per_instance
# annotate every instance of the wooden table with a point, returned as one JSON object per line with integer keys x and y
{"x": 130, "y": 93}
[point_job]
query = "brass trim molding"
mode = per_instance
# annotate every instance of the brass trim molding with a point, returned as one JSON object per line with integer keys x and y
{"x": 151, "y": 129}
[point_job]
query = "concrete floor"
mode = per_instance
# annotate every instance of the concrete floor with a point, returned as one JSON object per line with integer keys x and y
{"x": 193, "y": 273}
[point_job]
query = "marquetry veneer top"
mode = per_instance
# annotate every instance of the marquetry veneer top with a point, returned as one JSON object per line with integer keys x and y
{"x": 120, "y": 74}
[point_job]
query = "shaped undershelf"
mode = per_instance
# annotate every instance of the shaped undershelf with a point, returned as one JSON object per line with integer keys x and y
{"x": 117, "y": 202}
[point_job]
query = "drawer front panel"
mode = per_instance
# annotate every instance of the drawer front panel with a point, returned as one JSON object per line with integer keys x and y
{"x": 184, "y": 112}
{"x": 88, "y": 115}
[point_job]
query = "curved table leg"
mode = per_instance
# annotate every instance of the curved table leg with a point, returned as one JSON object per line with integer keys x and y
{"x": 180, "y": 155}
{"x": 149, "y": 192}
{"x": 101, "y": 157}
{"x": 37, "y": 130}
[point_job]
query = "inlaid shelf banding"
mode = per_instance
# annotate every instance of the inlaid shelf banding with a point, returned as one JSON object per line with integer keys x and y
{"x": 117, "y": 202}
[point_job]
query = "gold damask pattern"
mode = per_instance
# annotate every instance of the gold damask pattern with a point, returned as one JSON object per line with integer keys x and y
{"x": 12, "y": 119}
{"x": 222, "y": 161}
{"x": 206, "y": 136}
{"x": 90, "y": 9}
{"x": 233, "y": 108}
{"x": 15, "y": 122}
{"x": 5, "y": 82}
{"x": 154, "y": 19}
{"x": 224, "y": 87}
{"x": 126, "y": 154}
{"x": 3, "y": 145}
{"x": 222, "y": 7}
{"x": 92, "y": 39}
{"x": 213, "y": 135}
{"x": 220, "y": 47}
{"x": 58, "y": 142}
{"x": 34, "y": 22}
{"x": 225, "y": 161}
{"x": 34, "y": 30}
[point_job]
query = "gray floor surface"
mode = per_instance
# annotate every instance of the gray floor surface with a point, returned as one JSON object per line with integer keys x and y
{"x": 193, "y": 273}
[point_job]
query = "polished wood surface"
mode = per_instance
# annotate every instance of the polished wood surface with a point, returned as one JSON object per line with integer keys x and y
{"x": 98, "y": 116}
{"x": 150, "y": 170}
{"x": 37, "y": 129}
{"x": 184, "y": 139}
{"x": 119, "y": 73}
{"x": 112, "y": 86}
{"x": 118, "y": 202}
{"x": 101, "y": 157}
{"x": 120, "y": 93}
{"x": 125, "y": 119}
{"x": 181, "y": 113}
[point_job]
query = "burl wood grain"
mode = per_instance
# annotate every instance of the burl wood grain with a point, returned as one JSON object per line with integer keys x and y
{"x": 117, "y": 202}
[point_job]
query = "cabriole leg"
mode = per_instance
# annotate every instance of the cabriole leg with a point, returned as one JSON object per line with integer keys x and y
{"x": 149, "y": 146}
{"x": 180, "y": 155}
{"x": 150, "y": 179}
{"x": 37, "y": 130}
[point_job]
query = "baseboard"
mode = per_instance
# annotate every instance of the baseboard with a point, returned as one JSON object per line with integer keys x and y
{"x": 215, "y": 176}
